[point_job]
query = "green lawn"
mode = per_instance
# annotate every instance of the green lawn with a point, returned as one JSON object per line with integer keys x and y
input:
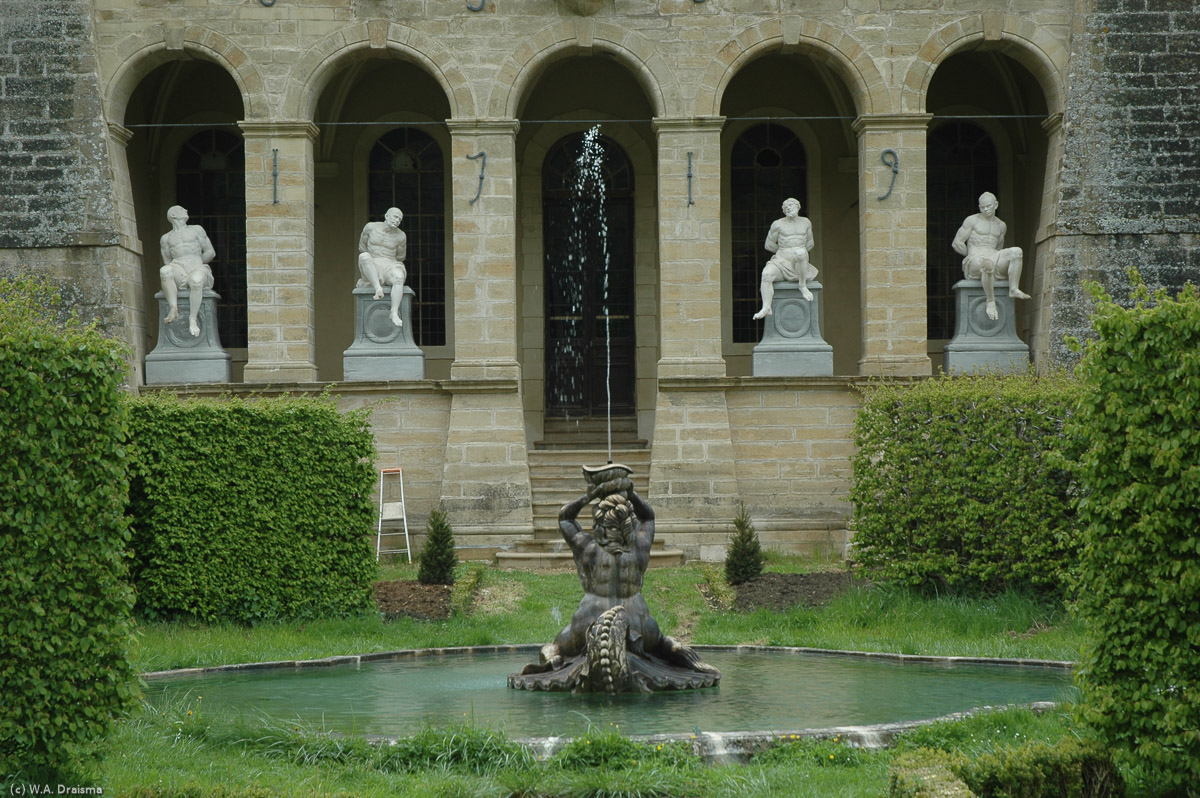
{"x": 169, "y": 752}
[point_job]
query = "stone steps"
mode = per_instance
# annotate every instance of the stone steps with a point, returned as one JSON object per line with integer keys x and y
{"x": 556, "y": 477}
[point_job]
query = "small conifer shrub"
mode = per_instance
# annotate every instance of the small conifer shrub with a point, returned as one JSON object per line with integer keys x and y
{"x": 744, "y": 560}
{"x": 437, "y": 558}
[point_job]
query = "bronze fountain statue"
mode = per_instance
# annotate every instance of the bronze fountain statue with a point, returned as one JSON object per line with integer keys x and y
{"x": 612, "y": 644}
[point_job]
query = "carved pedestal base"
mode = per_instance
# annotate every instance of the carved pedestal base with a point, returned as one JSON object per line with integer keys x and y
{"x": 981, "y": 343}
{"x": 792, "y": 345}
{"x": 179, "y": 356}
{"x": 381, "y": 350}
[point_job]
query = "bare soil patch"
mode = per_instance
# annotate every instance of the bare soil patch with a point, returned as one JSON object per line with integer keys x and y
{"x": 412, "y": 599}
{"x": 780, "y": 592}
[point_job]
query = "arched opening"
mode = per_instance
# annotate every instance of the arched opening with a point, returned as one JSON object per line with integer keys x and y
{"x": 788, "y": 134}
{"x": 961, "y": 164}
{"x": 210, "y": 181}
{"x": 553, "y": 119}
{"x": 767, "y": 165}
{"x": 986, "y": 135}
{"x": 406, "y": 170}
{"x": 382, "y": 144}
{"x": 589, "y": 277}
{"x": 187, "y": 150}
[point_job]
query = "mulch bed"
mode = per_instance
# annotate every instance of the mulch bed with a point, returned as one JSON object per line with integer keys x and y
{"x": 413, "y": 599}
{"x": 771, "y": 591}
{"x": 783, "y": 591}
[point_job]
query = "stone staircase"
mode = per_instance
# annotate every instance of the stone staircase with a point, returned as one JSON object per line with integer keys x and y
{"x": 556, "y": 477}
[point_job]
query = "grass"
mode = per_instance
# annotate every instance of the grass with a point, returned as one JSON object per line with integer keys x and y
{"x": 865, "y": 619}
{"x": 174, "y": 751}
{"x": 167, "y": 751}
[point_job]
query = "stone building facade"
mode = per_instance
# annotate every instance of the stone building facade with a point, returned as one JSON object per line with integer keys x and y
{"x": 285, "y": 125}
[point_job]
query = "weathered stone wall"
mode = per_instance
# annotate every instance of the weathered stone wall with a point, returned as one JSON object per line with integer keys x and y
{"x": 52, "y": 144}
{"x": 1130, "y": 193}
{"x": 57, "y": 215}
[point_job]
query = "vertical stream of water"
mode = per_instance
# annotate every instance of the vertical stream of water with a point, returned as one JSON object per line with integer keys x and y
{"x": 588, "y": 198}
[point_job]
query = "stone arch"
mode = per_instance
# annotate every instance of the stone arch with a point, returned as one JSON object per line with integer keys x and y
{"x": 368, "y": 39}
{"x": 1030, "y": 45}
{"x": 822, "y": 41}
{"x": 140, "y": 53}
{"x": 521, "y": 70}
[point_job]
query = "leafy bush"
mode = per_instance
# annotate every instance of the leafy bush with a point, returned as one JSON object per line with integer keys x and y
{"x": 250, "y": 510}
{"x": 1140, "y": 579}
{"x": 438, "y": 558}
{"x": 744, "y": 560}
{"x": 64, "y": 667}
{"x": 963, "y": 482}
{"x": 1071, "y": 769}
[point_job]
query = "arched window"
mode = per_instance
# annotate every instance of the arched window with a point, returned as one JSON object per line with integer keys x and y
{"x": 210, "y": 182}
{"x": 406, "y": 170}
{"x": 961, "y": 166}
{"x": 768, "y": 164}
{"x": 589, "y": 319}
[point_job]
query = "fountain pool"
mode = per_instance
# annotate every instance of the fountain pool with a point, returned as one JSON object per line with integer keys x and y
{"x": 398, "y": 693}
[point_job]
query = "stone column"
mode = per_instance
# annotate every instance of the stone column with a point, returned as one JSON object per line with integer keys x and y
{"x": 130, "y": 253}
{"x": 892, "y": 245}
{"x": 1045, "y": 247}
{"x": 693, "y": 483}
{"x": 485, "y": 480}
{"x": 279, "y": 251}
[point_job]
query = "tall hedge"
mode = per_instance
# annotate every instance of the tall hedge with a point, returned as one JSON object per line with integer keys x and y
{"x": 963, "y": 482}
{"x": 250, "y": 509}
{"x": 65, "y": 625}
{"x": 1140, "y": 581}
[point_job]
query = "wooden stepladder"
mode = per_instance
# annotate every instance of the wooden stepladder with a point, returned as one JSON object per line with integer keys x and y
{"x": 391, "y": 511}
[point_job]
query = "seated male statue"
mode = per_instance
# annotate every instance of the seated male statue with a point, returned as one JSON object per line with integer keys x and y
{"x": 790, "y": 239}
{"x": 382, "y": 248}
{"x": 186, "y": 251}
{"x": 981, "y": 241}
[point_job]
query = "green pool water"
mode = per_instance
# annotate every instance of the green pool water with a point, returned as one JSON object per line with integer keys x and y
{"x": 759, "y": 691}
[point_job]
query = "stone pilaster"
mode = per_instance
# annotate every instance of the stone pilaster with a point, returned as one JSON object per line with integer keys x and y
{"x": 892, "y": 245}
{"x": 693, "y": 480}
{"x": 279, "y": 251}
{"x": 689, "y": 241}
{"x": 485, "y": 481}
{"x": 1045, "y": 246}
{"x": 485, "y": 249}
{"x": 129, "y": 251}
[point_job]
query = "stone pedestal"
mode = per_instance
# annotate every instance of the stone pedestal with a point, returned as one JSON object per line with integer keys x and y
{"x": 182, "y": 357}
{"x": 381, "y": 350}
{"x": 982, "y": 344}
{"x": 792, "y": 345}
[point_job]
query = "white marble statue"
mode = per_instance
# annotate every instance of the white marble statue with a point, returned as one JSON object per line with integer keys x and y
{"x": 981, "y": 240}
{"x": 790, "y": 239}
{"x": 382, "y": 249}
{"x": 186, "y": 251}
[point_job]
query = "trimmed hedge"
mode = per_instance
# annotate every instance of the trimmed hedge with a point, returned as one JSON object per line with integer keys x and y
{"x": 1140, "y": 581}
{"x": 65, "y": 625}
{"x": 1069, "y": 769}
{"x": 927, "y": 773}
{"x": 962, "y": 482}
{"x": 250, "y": 510}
